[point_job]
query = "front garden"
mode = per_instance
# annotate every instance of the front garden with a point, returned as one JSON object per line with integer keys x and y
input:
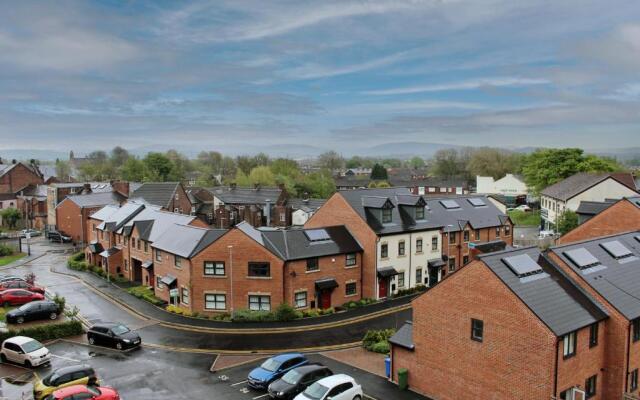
{"x": 8, "y": 255}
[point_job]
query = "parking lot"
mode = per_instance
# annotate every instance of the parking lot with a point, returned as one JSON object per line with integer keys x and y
{"x": 151, "y": 374}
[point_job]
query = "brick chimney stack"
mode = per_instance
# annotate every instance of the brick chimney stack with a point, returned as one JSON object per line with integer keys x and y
{"x": 121, "y": 187}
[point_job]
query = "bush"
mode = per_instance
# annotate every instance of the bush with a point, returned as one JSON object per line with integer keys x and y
{"x": 5, "y": 250}
{"x": 146, "y": 294}
{"x": 413, "y": 290}
{"x": 358, "y": 303}
{"x": 310, "y": 313}
{"x": 253, "y": 316}
{"x": 61, "y": 302}
{"x": 375, "y": 339}
{"x": 221, "y": 317}
{"x": 285, "y": 312}
{"x": 46, "y": 332}
{"x": 381, "y": 347}
{"x": 327, "y": 311}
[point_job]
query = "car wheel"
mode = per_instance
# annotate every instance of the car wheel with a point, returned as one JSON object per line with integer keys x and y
{"x": 92, "y": 341}
{"x": 53, "y": 315}
{"x": 119, "y": 346}
{"x": 3, "y": 357}
{"x": 357, "y": 398}
{"x": 27, "y": 364}
{"x": 20, "y": 320}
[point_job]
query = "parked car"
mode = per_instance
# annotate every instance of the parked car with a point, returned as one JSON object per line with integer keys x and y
{"x": 84, "y": 392}
{"x": 31, "y": 232}
{"x": 64, "y": 377}
{"x": 335, "y": 387}
{"x": 296, "y": 380}
{"x": 113, "y": 335}
{"x": 11, "y": 278}
{"x": 59, "y": 237}
{"x": 546, "y": 234}
{"x": 21, "y": 284}
{"x": 18, "y": 297}
{"x": 523, "y": 207}
{"x": 274, "y": 368}
{"x": 35, "y": 310}
{"x": 24, "y": 350}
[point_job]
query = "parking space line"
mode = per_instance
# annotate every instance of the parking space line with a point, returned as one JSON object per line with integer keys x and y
{"x": 260, "y": 397}
{"x": 238, "y": 383}
{"x": 65, "y": 358}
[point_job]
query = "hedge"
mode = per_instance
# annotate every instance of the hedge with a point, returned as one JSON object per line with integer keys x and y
{"x": 146, "y": 294}
{"x": 378, "y": 340}
{"x": 77, "y": 262}
{"x": 46, "y": 332}
{"x": 5, "y": 250}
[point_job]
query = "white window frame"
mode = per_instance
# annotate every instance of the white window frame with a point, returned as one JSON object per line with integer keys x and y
{"x": 219, "y": 301}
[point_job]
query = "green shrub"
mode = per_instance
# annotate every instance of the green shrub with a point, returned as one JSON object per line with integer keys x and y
{"x": 413, "y": 290}
{"x": 373, "y": 339}
{"x": 381, "y": 347}
{"x": 358, "y": 303}
{"x": 60, "y": 302}
{"x": 285, "y": 312}
{"x": 221, "y": 317}
{"x": 46, "y": 332}
{"x": 253, "y": 316}
{"x": 146, "y": 294}
{"x": 5, "y": 250}
{"x": 310, "y": 313}
{"x": 327, "y": 311}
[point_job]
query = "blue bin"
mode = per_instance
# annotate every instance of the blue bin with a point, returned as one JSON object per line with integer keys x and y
{"x": 387, "y": 366}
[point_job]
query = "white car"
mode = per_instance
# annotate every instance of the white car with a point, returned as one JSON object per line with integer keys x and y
{"x": 523, "y": 207}
{"x": 24, "y": 350}
{"x": 546, "y": 234}
{"x": 334, "y": 387}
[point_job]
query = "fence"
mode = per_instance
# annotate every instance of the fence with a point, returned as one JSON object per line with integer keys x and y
{"x": 13, "y": 242}
{"x": 541, "y": 243}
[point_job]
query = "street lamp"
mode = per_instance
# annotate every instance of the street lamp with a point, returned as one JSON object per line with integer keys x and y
{"x": 230, "y": 247}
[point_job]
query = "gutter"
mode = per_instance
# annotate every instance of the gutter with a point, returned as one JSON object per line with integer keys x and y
{"x": 555, "y": 377}
{"x": 626, "y": 375}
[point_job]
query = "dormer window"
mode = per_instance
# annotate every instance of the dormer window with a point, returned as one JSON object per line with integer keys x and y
{"x": 386, "y": 215}
{"x": 419, "y": 213}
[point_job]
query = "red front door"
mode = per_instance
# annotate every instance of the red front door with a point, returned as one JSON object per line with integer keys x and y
{"x": 382, "y": 287}
{"x": 325, "y": 299}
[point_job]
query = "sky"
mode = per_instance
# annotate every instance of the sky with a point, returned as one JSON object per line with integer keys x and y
{"x": 341, "y": 75}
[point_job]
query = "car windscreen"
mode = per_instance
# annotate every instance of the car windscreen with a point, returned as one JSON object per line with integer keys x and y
{"x": 270, "y": 365}
{"x": 292, "y": 377}
{"x": 51, "y": 378}
{"x": 94, "y": 390}
{"x": 27, "y": 307}
{"x": 31, "y": 346}
{"x": 119, "y": 329}
{"x": 316, "y": 391}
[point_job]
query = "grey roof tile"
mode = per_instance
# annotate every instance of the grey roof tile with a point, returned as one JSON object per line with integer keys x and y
{"x": 96, "y": 199}
{"x": 157, "y": 193}
{"x": 404, "y": 336}
{"x": 577, "y": 183}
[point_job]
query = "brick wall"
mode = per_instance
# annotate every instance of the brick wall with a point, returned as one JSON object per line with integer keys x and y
{"x": 515, "y": 360}
{"x": 620, "y": 217}
{"x": 180, "y": 201}
{"x": 336, "y": 211}
{"x": 16, "y": 179}
{"x": 460, "y": 248}
{"x": 69, "y": 220}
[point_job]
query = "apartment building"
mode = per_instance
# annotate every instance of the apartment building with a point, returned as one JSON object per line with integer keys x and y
{"x": 410, "y": 239}
{"x": 510, "y": 325}
{"x": 616, "y": 217}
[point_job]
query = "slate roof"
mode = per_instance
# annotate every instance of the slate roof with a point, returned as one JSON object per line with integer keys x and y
{"x": 619, "y": 281}
{"x": 404, "y": 336}
{"x": 120, "y": 216}
{"x": 363, "y": 201}
{"x": 306, "y": 205}
{"x": 5, "y": 168}
{"x": 551, "y": 295}
{"x": 105, "y": 212}
{"x": 162, "y": 221}
{"x": 95, "y": 199}
{"x": 593, "y": 207}
{"x": 186, "y": 240}
{"x": 246, "y": 195}
{"x": 156, "y": 193}
{"x": 578, "y": 183}
{"x": 293, "y": 244}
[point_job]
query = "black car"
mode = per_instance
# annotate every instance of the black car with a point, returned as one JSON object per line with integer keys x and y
{"x": 59, "y": 237}
{"x": 11, "y": 278}
{"x": 297, "y": 380}
{"x": 41, "y": 309}
{"x": 113, "y": 335}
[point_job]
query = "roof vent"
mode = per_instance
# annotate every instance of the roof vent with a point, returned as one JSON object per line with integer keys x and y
{"x": 616, "y": 249}
{"x": 477, "y": 202}
{"x": 522, "y": 265}
{"x": 317, "y": 235}
{"x": 449, "y": 204}
{"x": 582, "y": 258}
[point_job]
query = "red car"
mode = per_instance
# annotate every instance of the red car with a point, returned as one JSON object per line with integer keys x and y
{"x": 84, "y": 392}
{"x": 17, "y": 297}
{"x": 20, "y": 285}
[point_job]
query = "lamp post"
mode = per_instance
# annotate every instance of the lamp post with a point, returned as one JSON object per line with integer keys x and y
{"x": 230, "y": 247}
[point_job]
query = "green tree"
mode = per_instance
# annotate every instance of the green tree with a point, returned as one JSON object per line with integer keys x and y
{"x": 119, "y": 156}
{"x": 545, "y": 167}
{"x": 492, "y": 162}
{"x": 261, "y": 159}
{"x": 10, "y": 217}
{"x": 63, "y": 170}
{"x": 331, "y": 160}
{"x": 447, "y": 163}
{"x": 285, "y": 167}
{"x": 416, "y": 162}
{"x": 378, "y": 172}
{"x": 158, "y": 167}
{"x": 567, "y": 221}
{"x": 246, "y": 164}
{"x": 262, "y": 176}
{"x": 317, "y": 184}
{"x": 133, "y": 170}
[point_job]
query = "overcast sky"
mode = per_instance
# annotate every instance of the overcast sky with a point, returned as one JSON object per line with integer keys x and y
{"x": 342, "y": 74}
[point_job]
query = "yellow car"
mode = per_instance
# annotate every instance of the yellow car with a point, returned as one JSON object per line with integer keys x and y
{"x": 63, "y": 377}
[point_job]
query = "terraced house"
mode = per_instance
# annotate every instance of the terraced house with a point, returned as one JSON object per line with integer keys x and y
{"x": 511, "y": 325}
{"x": 410, "y": 239}
{"x": 220, "y": 270}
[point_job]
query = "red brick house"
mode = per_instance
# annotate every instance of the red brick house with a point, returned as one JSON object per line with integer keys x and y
{"x": 258, "y": 206}
{"x": 621, "y": 216}
{"x": 16, "y": 176}
{"x": 171, "y": 196}
{"x": 510, "y": 325}
{"x": 32, "y": 203}
{"x": 217, "y": 270}
{"x": 608, "y": 269}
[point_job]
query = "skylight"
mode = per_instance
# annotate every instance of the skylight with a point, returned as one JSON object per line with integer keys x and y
{"x": 582, "y": 258}
{"x": 316, "y": 235}
{"x": 616, "y": 249}
{"x": 476, "y": 202}
{"x": 449, "y": 204}
{"x": 522, "y": 265}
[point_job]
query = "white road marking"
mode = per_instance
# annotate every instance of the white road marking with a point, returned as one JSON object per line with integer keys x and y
{"x": 65, "y": 358}
{"x": 238, "y": 383}
{"x": 260, "y": 397}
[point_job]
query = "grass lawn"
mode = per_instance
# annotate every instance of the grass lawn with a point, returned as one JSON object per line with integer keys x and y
{"x": 9, "y": 259}
{"x": 521, "y": 218}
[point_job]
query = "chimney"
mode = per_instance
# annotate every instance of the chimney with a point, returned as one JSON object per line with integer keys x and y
{"x": 14, "y": 161}
{"x": 256, "y": 186}
{"x": 232, "y": 186}
{"x": 86, "y": 188}
{"x": 1, "y": 161}
{"x": 281, "y": 186}
{"x": 121, "y": 187}
{"x": 305, "y": 197}
{"x": 267, "y": 212}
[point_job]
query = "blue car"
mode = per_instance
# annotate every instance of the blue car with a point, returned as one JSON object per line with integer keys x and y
{"x": 274, "y": 368}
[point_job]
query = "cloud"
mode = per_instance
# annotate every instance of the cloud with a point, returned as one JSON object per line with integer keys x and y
{"x": 619, "y": 49}
{"x": 464, "y": 85}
